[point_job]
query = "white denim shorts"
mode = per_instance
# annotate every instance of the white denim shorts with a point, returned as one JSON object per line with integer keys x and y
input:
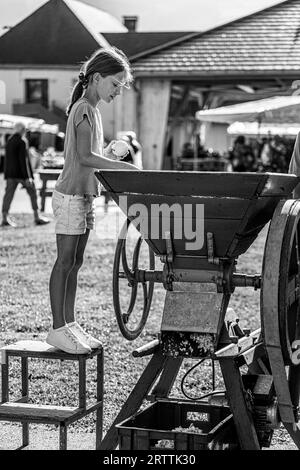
{"x": 73, "y": 214}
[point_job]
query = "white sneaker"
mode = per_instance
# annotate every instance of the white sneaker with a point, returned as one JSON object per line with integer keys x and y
{"x": 63, "y": 338}
{"x": 83, "y": 336}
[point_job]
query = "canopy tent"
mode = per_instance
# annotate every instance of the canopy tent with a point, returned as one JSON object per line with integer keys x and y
{"x": 278, "y": 109}
{"x": 8, "y": 121}
{"x": 265, "y": 129}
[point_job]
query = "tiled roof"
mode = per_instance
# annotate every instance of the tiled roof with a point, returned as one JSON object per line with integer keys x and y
{"x": 264, "y": 42}
{"x": 133, "y": 43}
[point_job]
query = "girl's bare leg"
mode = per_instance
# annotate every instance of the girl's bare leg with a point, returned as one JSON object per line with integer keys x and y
{"x": 72, "y": 279}
{"x": 66, "y": 257}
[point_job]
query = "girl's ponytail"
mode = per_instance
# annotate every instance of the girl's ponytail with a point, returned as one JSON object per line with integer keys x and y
{"x": 76, "y": 94}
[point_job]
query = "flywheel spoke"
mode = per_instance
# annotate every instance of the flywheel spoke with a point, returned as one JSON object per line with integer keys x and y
{"x": 131, "y": 319}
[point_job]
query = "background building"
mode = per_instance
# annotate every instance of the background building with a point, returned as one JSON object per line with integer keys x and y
{"x": 176, "y": 73}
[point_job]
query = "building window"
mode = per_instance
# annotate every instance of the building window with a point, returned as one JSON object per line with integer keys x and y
{"x": 37, "y": 92}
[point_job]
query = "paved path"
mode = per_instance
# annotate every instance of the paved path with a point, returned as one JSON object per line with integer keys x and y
{"x": 21, "y": 202}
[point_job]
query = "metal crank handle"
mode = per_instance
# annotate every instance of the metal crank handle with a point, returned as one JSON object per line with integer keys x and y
{"x": 146, "y": 349}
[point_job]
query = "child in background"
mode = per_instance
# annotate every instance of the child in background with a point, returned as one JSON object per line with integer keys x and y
{"x": 101, "y": 78}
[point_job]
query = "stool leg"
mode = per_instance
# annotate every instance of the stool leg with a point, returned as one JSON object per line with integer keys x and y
{"x": 62, "y": 436}
{"x": 25, "y": 434}
{"x": 82, "y": 382}
{"x": 4, "y": 374}
{"x": 99, "y": 412}
{"x": 25, "y": 426}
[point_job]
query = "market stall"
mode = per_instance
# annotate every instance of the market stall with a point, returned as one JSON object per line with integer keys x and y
{"x": 257, "y": 135}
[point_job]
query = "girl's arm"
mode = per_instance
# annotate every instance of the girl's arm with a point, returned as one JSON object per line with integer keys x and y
{"x": 94, "y": 160}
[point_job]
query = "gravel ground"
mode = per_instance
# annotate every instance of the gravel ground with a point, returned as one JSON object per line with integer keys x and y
{"x": 43, "y": 437}
{"x": 26, "y": 258}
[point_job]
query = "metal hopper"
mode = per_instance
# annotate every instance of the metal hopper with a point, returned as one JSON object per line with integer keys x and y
{"x": 236, "y": 205}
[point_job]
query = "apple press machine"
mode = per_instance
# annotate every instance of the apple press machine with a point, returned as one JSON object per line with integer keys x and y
{"x": 260, "y": 369}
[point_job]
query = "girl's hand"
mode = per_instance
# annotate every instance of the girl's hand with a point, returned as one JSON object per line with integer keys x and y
{"x": 108, "y": 151}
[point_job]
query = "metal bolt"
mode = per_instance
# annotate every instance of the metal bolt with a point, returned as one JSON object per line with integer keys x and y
{"x": 234, "y": 339}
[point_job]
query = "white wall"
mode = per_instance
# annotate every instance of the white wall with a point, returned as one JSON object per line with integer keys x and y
{"x": 60, "y": 85}
{"x": 119, "y": 116}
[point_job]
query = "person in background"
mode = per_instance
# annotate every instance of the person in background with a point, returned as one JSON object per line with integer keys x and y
{"x": 241, "y": 156}
{"x": 187, "y": 150}
{"x": 18, "y": 170}
{"x": 279, "y": 155}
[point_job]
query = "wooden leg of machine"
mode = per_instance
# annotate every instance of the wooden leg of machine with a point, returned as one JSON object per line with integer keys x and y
{"x": 242, "y": 418}
{"x": 167, "y": 378}
{"x": 294, "y": 384}
{"x": 294, "y": 433}
{"x": 99, "y": 412}
{"x": 135, "y": 399}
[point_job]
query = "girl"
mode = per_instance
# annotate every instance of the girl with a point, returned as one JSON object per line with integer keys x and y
{"x": 102, "y": 78}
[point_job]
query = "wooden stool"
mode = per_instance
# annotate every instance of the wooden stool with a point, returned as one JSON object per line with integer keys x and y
{"x": 22, "y": 411}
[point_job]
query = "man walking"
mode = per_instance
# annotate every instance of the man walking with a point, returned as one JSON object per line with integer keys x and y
{"x": 17, "y": 169}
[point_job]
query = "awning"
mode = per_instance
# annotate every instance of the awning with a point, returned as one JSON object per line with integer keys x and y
{"x": 32, "y": 124}
{"x": 280, "y": 109}
{"x": 265, "y": 129}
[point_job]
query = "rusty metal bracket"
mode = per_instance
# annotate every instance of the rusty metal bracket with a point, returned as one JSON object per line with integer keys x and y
{"x": 210, "y": 249}
{"x": 227, "y": 283}
{"x": 169, "y": 245}
{"x": 168, "y": 273}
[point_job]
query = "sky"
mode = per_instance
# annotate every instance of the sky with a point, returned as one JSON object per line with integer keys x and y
{"x": 182, "y": 15}
{"x": 154, "y": 15}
